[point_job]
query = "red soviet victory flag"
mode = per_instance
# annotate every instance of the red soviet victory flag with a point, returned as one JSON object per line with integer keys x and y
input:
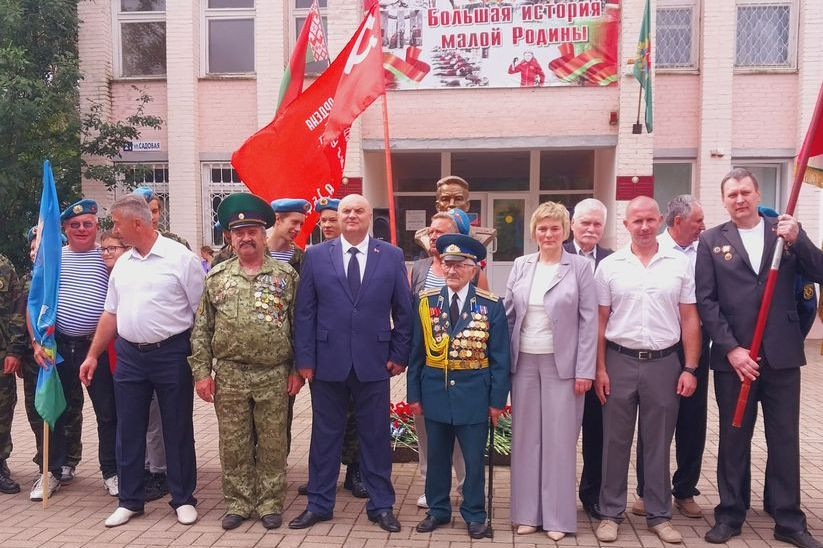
{"x": 287, "y": 158}
{"x": 362, "y": 81}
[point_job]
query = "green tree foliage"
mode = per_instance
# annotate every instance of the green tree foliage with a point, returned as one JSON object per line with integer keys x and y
{"x": 40, "y": 117}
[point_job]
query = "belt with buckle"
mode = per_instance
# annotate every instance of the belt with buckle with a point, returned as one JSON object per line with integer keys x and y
{"x": 73, "y": 340}
{"x": 643, "y": 355}
{"x": 148, "y": 347}
{"x": 459, "y": 365}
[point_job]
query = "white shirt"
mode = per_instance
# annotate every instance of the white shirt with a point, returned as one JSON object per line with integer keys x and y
{"x": 536, "y": 336}
{"x": 690, "y": 251}
{"x": 591, "y": 255}
{"x": 644, "y": 300}
{"x": 753, "y": 239}
{"x": 362, "y": 255}
{"x": 156, "y": 296}
{"x": 461, "y": 297}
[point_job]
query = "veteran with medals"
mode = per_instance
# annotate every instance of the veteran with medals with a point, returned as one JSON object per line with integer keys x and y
{"x": 243, "y": 335}
{"x": 458, "y": 378}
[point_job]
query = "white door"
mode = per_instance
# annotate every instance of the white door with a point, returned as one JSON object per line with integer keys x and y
{"x": 506, "y": 212}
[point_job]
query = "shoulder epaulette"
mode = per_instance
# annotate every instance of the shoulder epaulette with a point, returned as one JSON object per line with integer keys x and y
{"x": 487, "y": 294}
{"x": 428, "y": 292}
{"x": 219, "y": 267}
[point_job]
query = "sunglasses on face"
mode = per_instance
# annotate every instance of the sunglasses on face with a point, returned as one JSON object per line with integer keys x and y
{"x": 88, "y": 225}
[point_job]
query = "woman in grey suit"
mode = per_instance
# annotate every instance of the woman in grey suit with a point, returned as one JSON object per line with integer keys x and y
{"x": 551, "y": 306}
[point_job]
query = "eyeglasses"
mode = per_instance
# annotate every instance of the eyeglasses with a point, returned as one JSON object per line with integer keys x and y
{"x": 88, "y": 225}
{"x": 457, "y": 266}
{"x": 112, "y": 248}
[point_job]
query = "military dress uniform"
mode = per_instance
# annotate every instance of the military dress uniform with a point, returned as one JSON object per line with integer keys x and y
{"x": 457, "y": 371}
{"x": 12, "y": 343}
{"x": 243, "y": 334}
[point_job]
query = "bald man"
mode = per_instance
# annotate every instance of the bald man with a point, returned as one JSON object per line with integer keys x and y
{"x": 647, "y": 305}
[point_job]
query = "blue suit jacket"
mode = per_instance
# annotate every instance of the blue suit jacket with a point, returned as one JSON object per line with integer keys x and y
{"x": 335, "y": 332}
{"x": 469, "y": 393}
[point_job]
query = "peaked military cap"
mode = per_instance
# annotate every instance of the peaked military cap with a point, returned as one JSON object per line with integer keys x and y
{"x": 82, "y": 207}
{"x": 144, "y": 192}
{"x": 326, "y": 203}
{"x": 243, "y": 209}
{"x": 460, "y": 246}
{"x": 461, "y": 219}
{"x": 290, "y": 205}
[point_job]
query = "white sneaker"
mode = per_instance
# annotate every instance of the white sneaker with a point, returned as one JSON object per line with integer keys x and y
{"x": 421, "y": 502}
{"x": 36, "y": 493}
{"x": 186, "y": 514}
{"x": 121, "y": 516}
{"x": 112, "y": 485}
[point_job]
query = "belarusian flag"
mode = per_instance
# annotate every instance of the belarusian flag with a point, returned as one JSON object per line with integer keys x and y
{"x": 310, "y": 46}
{"x": 643, "y": 63}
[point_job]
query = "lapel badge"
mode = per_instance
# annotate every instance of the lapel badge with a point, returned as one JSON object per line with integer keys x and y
{"x": 726, "y": 248}
{"x": 716, "y": 250}
{"x": 727, "y": 256}
{"x": 808, "y": 291}
{"x": 465, "y": 315}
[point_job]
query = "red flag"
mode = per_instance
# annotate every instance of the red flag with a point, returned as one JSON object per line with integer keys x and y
{"x": 814, "y": 138}
{"x": 362, "y": 81}
{"x": 287, "y": 157}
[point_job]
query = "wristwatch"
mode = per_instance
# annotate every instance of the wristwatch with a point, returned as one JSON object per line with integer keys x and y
{"x": 691, "y": 370}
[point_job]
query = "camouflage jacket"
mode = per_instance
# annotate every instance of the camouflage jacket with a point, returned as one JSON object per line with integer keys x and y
{"x": 244, "y": 319}
{"x": 13, "y": 339}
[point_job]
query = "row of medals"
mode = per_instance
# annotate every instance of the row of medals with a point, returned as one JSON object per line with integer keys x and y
{"x": 268, "y": 304}
{"x": 470, "y": 342}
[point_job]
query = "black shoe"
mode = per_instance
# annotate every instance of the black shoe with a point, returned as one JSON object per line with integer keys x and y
{"x": 272, "y": 521}
{"x": 7, "y": 485}
{"x": 156, "y": 486}
{"x": 307, "y": 519}
{"x": 429, "y": 524}
{"x": 803, "y": 539}
{"x": 721, "y": 533}
{"x": 231, "y": 521}
{"x": 354, "y": 482}
{"x": 592, "y": 510}
{"x": 478, "y": 530}
{"x": 386, "y": 521}
{"x": 303, "y": 489}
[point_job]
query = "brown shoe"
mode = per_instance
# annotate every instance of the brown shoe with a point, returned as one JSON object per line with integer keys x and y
{"x": 689, "y": 508}
{"x": 667, "y": 533}
{"x": 639, "y": 507}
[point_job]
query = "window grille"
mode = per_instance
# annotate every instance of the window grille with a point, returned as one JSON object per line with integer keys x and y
{"x": 219, "y": 181}
{"x": 764, "y": 35}
{"x": 675, "y": 38}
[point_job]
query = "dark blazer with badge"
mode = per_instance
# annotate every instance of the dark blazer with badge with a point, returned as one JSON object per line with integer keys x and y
{"x": 335, "y": 332}
{"x": 729, "y": 293}
{"x": 466, "y": 395}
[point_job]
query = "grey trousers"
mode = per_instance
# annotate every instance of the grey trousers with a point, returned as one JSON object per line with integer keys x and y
{"x": 155, "y": 451}
{"x": 458, "y": 463}
{"x": 546, "y": 419}
{"x": 650, "y": 387}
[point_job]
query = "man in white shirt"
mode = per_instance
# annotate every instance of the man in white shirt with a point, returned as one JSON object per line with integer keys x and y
{"x": 154, "y": 291}
{"x": 647, "y": 306}
{"x": 684, "y": 223}
{"x": 588, "y": 223}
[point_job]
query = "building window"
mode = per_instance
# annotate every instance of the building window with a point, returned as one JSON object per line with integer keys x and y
{"x": 676, "y": 37}
{"x": 140, "y": 33}
{"x": 671, "y": 179}
{"x": 229, "y": 29}
{"x": 219, "y": 180}
{"x": 154, "y": 176}
{"x": 765, "y": 37}
{"x": 300, "y": 11}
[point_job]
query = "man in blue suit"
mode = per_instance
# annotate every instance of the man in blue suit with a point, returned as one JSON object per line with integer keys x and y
{"x": 350, "y": 288}
{"x": 458, "y": 379}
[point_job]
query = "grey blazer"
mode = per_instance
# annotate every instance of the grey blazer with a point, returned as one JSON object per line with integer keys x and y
{"x": 571, "y": 303}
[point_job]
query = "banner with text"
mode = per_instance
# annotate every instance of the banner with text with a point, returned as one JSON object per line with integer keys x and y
{"x": 431, "y": 44}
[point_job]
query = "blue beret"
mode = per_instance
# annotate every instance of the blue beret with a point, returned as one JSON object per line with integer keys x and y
{"x": 291, "y": 205}
{"x": 460, "y": 245}
{"x": 767, "y": 211}
{"x": 144, "y": 192}
{"x": 83, "y": 207}
{"x": 461, "y": 219}
{"x": 32, "y": 234}
{"x": 326, "y": 203}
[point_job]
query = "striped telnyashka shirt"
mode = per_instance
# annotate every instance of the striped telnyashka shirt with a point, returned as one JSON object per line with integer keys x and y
{"x": 84, "y": 281}
{"x": 283, "y": 256}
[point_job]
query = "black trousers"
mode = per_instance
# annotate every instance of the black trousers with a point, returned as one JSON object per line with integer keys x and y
{"x": 689, "y": 434}
{"x": 101, "y": 393}
{"x": 778, "y": 392}
{"x": 591, "y": 476}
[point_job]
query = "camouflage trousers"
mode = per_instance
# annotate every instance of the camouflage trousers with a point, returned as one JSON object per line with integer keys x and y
{"x": 251, "y": 401}
{"x": 8, "y": 399}
{"x": 74, "y": 421}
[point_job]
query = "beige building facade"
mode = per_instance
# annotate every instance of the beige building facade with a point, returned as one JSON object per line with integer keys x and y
{"x": 735, "y": 84}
